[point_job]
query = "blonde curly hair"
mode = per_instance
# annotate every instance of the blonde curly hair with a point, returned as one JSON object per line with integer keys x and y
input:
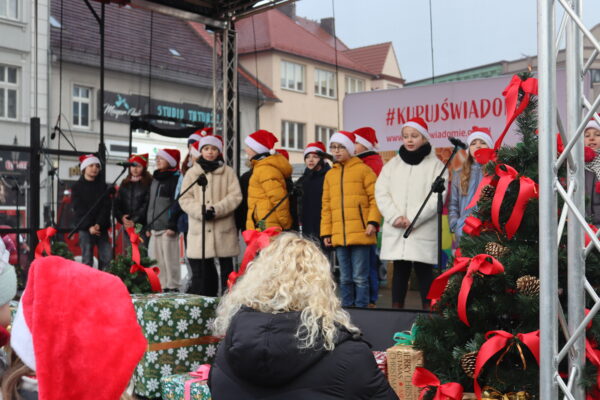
{"x": 291, "y": 274}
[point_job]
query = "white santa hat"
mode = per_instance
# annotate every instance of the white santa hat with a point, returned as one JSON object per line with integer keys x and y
{"x": 482, "y": 134}
{"x": 261, "y": 141}
{"x": 86, "y": 160}
{"x": 344, "y": 138}
{"x": 420, "y": 125}
{"x": 592, "y": 124}
{"x": 77, "y": 329}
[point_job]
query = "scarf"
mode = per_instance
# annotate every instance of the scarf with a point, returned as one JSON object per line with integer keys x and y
{"x": 414, "y": 157}
{"x": 594, "y": 165}
{"x": 210, "y": 166}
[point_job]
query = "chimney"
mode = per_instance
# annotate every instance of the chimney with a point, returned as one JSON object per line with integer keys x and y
{"x": 328, "y": 25}
{"x": 289, "y": 9}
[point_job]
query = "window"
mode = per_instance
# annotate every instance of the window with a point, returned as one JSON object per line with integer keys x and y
{"x": 595, "y": 75}
{"x": 9, "y": 86}
{"x": 324, "y": 83}
{"x": 354, "y": 85}
{"x": 292, "y": 135}
{"x": 81, "y": 106}
{"x": 9, "y": 9}
{"x": 391, "y": 86}
{"x": 292, "y": 76}
{"x": 323, "y": 133}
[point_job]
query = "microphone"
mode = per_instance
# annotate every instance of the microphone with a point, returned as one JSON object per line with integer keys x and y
{"x": 458, "y": 143}
{"x": 53, "y": 135}
{"x": 202, "y": 181}
{"x": 125, "y": 164}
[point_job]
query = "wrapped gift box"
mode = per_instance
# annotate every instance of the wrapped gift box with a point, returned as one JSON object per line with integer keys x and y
{"x": 381, "y": 360}
{"x": 401, "y": 363}
{"x": 173, "y": 388}
{"x": 177, "y": 327}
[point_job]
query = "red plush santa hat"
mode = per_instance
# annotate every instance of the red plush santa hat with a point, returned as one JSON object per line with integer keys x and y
{"x": 194, "y": 137}
{"x": 141, "y": 159}
{"x": 77, "y": 328}
{"x": 284, "y": 153}
{"x": 213, "y": 140}
{"x": 367, "y": 137}
{"x": 315, "y": 147}
{"x": 344, "y": 138}
{"x": 592, "y": 124}
{"x": 171, "y": 155}
{"x": 420, "y": 125}
{"x": 261, "y": 141}
{"x": 481, "y": 133}
{"x": 86, "y": 160}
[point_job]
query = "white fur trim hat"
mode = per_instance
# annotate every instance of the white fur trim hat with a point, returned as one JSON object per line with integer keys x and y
{"x": 593, "y": 124}
{"x": 171, "y": 155}
{"x": 420, "y": 125}
{"x": 86, "y": 160}
{"x": 367, "y": 137}
{"x": 344, "y": 138}
{"x": 8, "y": 277}
{"x": 213, "y": 140}
{"x": 481, "y": 133}
{"x": 316, "y": 147}
{"x": 261, "y": 141}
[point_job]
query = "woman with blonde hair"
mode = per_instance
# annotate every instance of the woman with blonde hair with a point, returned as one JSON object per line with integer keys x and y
{"x": 286, "y": 334}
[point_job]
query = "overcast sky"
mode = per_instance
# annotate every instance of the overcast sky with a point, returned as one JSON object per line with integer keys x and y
{"x": 466, "y": 33}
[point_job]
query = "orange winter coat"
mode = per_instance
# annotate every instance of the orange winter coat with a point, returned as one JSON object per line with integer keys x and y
{"x": 265, "y": 189}
{"x": 349, "y": 203}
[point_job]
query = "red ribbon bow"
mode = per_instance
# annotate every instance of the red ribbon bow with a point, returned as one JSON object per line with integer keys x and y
{"x": 473, "y": 226}
{"x": 199, "y": 375}
{"x": 151, "y": 272}
{"x": 496, "y": 341}
{"x": 477, "y": 264}
{"x": 44, "y": 245}
{"x": 256, "y": 240}
{"x": 511, "y": 96}
{"x": 425, "y": 379}
{"x": 527, "y": 191}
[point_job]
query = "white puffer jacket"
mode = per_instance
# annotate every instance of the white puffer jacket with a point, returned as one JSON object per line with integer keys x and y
{"x": 400, "y": 190}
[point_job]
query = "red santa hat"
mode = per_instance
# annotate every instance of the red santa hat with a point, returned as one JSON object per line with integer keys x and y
{"x": 344, "y": 138}
{"x": 592, "y": 124}
{"x": 482, "y": 134}
{"x": 315, "y": 147}
{"x": 261, "y": 141}
{"x": 367, "y": 137}
{"x": 284, "y": 153}
{"x": 172, "y": 156}
{"x": 86, "y": 160}
{"x": 213, "y": 140}
{"x": 194, "y": 137}
{"x": 141, "y": 159}
{"x": 77, "y": 328}
{"x": 420, "y": 125}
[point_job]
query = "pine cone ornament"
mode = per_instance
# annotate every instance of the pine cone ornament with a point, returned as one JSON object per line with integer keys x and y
{"x": 495, "y": 250}
{"x": 528, "y": 285}
{"x": 467, "y": 363}
{"x": 487, "y": 192}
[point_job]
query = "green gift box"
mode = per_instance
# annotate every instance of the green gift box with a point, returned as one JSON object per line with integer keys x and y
{"x": 177, "y": 328}
{"x": 173, "y": 388}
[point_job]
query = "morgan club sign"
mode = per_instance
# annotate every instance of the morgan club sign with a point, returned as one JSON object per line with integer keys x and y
{"x": 119, "y": 107}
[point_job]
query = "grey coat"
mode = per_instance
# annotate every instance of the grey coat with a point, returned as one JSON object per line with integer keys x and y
{"x": 592, "y": 202}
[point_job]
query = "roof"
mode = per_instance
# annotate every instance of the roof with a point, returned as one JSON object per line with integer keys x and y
{"x": 315, "y": 28}
{"x": 273, "y": 30}
{"x": 127, "y": 44}
{"x": 371, "y": 57}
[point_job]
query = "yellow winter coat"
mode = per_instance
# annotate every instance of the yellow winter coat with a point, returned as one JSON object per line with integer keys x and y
{"x": 349, "y": 203}
{"x": 265, "y": 189}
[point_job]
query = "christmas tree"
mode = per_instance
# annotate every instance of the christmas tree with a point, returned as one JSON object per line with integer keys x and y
{"x": 500, "y": 254}
{"x": 136, "y": 282}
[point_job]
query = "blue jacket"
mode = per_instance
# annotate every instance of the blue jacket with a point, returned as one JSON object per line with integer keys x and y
{"x": 458, "y": 202}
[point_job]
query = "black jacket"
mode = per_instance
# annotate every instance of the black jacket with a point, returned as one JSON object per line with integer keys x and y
{"x": 259, "y": 359}
{"x": 132, "y": 199}
{"x": 592, "y": 202}
{"x": 312, "y": 193}
{"x": 242, "y": 211}
{"x": 162, "y": 196}
{"x": 84, "y": 195}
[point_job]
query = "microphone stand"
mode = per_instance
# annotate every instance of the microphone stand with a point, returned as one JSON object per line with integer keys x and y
{"x": 202, "y": 181}
{"x": 438, "y": 187}
{"x": 97, "y": 203}
{"x": 187, "y": 189}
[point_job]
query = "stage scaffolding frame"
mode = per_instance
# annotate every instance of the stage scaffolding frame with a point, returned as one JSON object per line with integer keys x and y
{"x": 579, "y": 110}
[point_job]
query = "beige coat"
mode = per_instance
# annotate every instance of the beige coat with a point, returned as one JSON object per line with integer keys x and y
{"x": 400, "y": 190}
{"x": 224, "y": 195}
